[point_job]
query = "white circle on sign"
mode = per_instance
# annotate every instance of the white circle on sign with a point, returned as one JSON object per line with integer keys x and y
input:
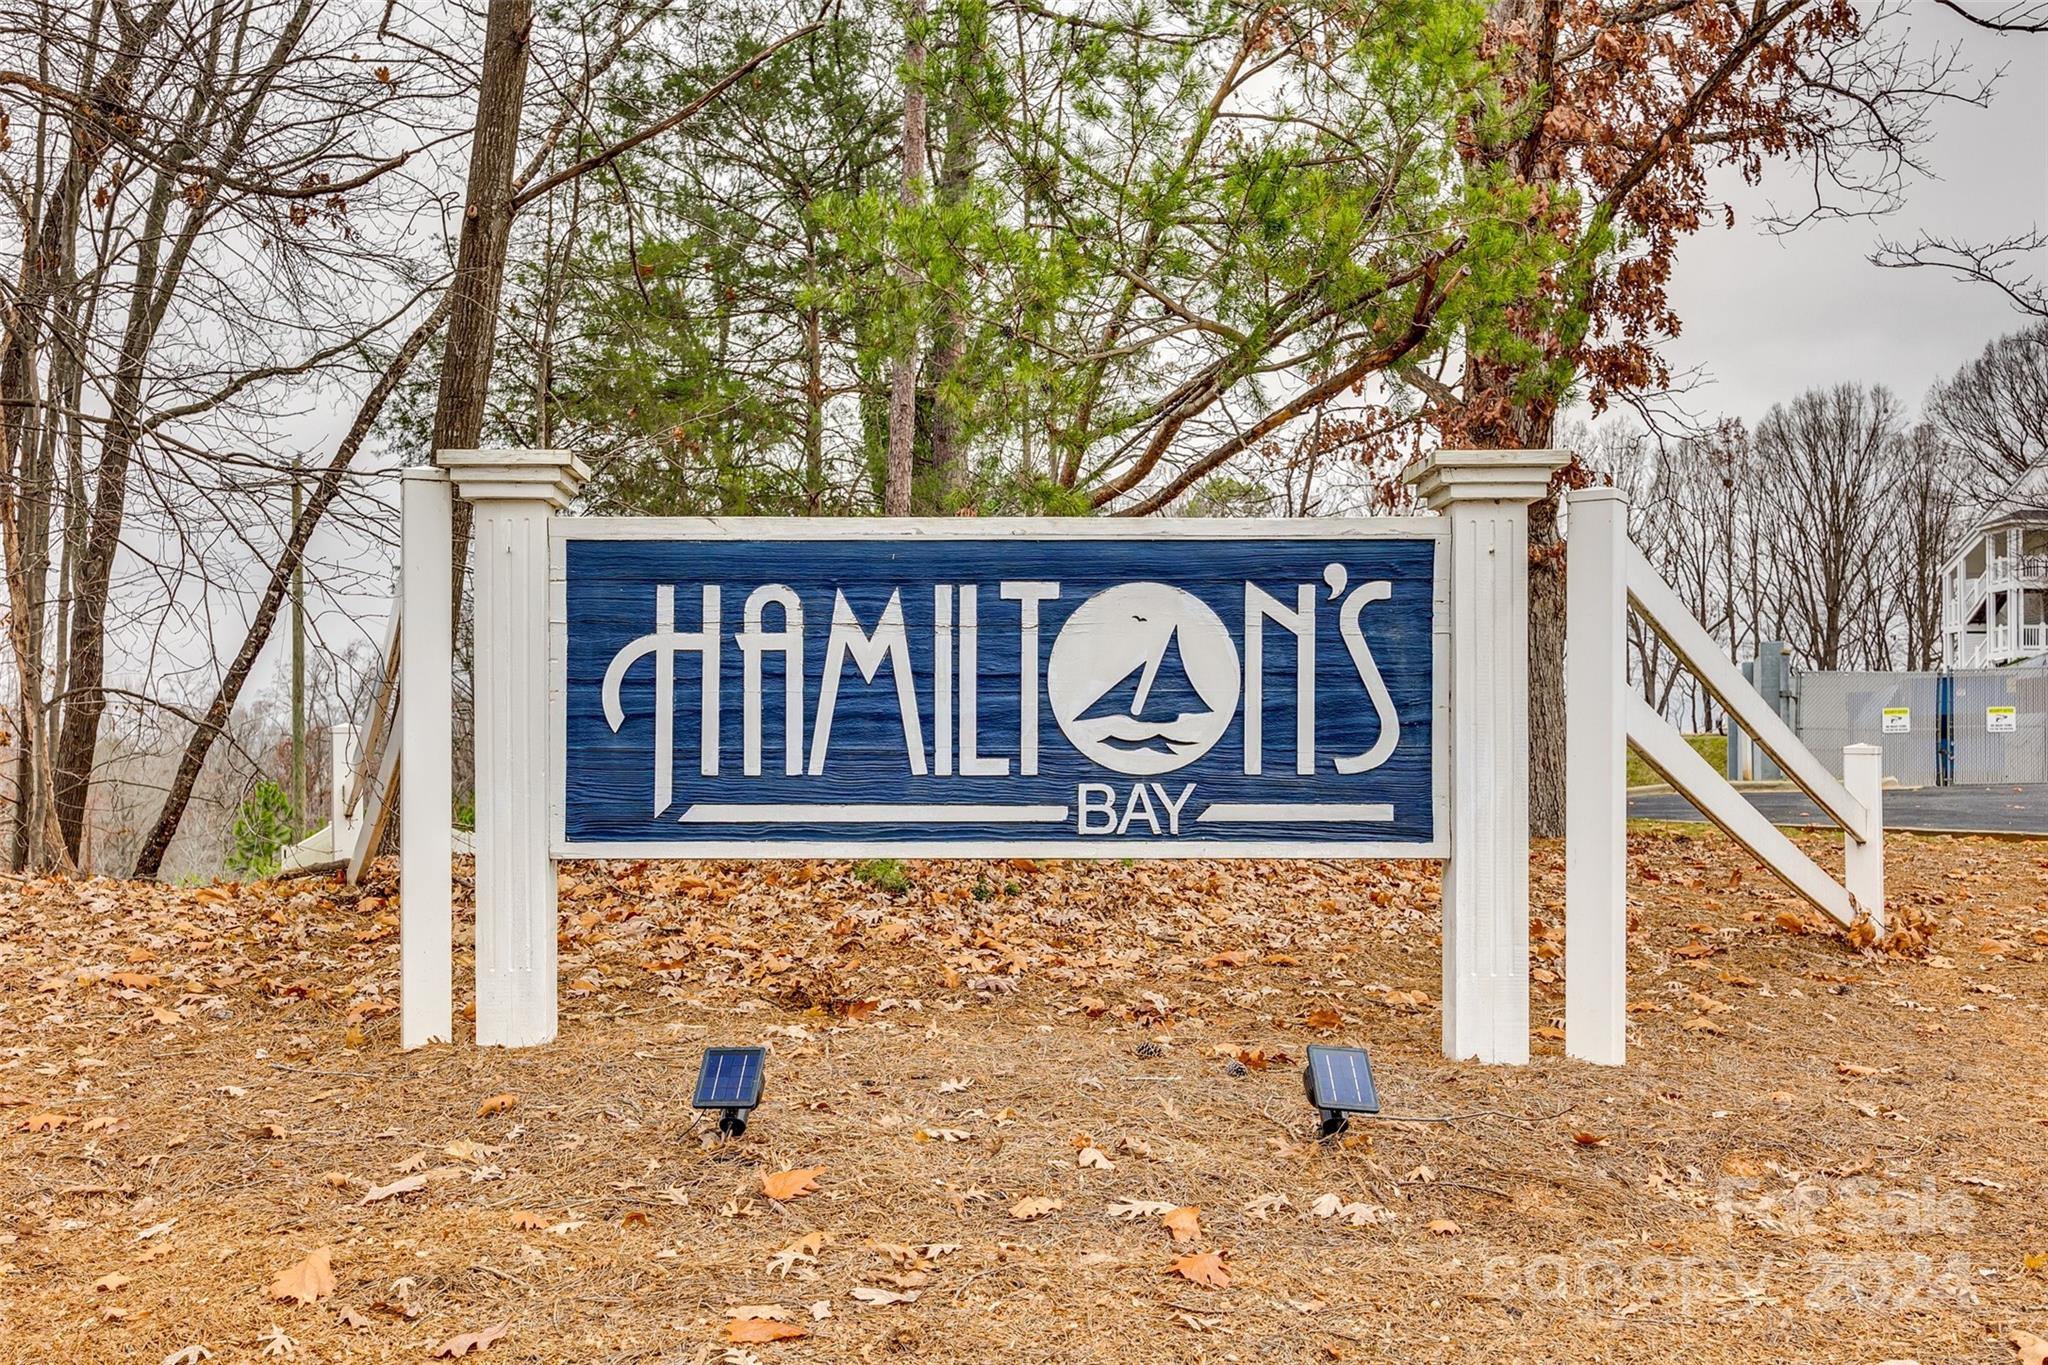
{"x": 1143, "y": 678}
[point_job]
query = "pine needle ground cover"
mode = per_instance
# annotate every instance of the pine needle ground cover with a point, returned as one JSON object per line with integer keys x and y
{"x": 1026, "y": 1111}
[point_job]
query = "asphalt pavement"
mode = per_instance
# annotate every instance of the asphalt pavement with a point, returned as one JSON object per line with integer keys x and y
{"x": 2008, "y": 809}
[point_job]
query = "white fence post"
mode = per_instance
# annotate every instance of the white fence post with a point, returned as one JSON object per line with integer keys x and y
{"x": 1863, "y": 859}
{"x": 1596, "y": 765}
{"x": 514, "y": 492}
{"x": 426, "y": 701}
{"x": 1486, "y": 496}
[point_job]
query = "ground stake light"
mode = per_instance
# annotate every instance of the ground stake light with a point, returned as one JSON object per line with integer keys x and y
{"x": 1339, "y": 1084}
{"x": 729, "y": 1080}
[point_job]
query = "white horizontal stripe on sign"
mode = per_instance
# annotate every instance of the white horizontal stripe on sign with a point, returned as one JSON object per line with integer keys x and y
{"x": 799, "y": 813}
{"x": 1314, "y": 812}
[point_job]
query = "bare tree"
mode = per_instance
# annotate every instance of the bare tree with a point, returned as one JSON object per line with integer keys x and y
{"x": 1994, "y": 412}
{"x": 1927, "y": 509}
{"x": 1834, "y": 459}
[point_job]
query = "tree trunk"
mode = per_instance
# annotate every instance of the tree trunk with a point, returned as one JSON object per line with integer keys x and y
{"x": 482, "y": 247}
{"x": 903, "y": 368}
{"x": 1546, "y": 669}
{"x": 947, "y": 440}
{"x": 43, "y": 267}
{"x": 78, "y": 738}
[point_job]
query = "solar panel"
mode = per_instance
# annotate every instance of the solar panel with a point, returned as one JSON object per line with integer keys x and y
{"x": 730, "y": 1078}
{"x": 1340, "y": 1080}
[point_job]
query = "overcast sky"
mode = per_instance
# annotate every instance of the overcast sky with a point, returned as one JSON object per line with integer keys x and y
{"x": 1769, "y": 316}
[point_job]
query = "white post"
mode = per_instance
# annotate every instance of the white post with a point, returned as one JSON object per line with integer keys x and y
{"x": 1596, "y": 765}
{"x": 341, "y": 763}
{"x": 1863, "y": 859}
{"x": 426, "y": 746}
{"x": 1486, "y": 496}
{"x": 514, "y": 493}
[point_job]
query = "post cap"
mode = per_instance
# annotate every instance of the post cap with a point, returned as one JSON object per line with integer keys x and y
{"x": 550, "y": 476}
{"x": 1452, "y": 476}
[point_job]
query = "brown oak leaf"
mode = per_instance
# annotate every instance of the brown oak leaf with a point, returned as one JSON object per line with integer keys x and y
{"x": 785, "y": 1185}
{"x": 307, "y": 1282}
{"x": 463, "y": 1343}
{"x": 762, "y": 1329}
{"x": 1205, "y": 1268}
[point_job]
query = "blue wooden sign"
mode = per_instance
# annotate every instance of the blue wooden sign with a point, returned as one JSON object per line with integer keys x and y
{"x": 982, "y": 687}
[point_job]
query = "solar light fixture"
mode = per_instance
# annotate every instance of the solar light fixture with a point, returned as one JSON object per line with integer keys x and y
{"x": 1339, "y": 1084}
{"x": 729, "y": 1080}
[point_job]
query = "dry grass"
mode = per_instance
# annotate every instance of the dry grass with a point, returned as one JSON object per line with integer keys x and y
{"x": 1744, "y": 1190}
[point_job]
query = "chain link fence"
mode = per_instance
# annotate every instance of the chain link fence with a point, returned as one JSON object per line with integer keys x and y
{"x": 2001, "y": 725}
{"x": 1896, "y": 711}
{"x": 1996, "y": 721}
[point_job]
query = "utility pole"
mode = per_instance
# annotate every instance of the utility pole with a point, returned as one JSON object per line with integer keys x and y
{"x": 298, "y": 670}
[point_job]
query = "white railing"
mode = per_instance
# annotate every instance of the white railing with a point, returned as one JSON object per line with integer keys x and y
{"x": 1605, "y": 717}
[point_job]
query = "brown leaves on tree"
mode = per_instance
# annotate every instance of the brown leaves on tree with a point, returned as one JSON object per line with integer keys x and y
{"x": 307, "y": 1282}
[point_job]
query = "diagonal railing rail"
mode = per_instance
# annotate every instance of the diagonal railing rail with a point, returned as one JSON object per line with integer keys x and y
{"x": 1605, "y": 717}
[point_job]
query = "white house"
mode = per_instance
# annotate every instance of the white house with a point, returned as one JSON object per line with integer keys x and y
{"x": 1994, "y": 608}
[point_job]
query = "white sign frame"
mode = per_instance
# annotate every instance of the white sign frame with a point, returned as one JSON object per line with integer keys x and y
{"x": 564, "y": 530}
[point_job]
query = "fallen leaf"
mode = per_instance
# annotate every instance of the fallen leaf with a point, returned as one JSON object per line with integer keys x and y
{"x": 465, "y": 1342}
{"x": 410, "y": 1184}
{"x": 1184, "y": 1223}
{"x": 1590, "y": 1139}
{"x": 107, "y": 1284}
{"x": 1141, "y": 1208}
{"x": 883, "y": 1298}
{"x": 786, "y": 1185}
{"x": 1205, "y": 1268}
{"x": 46, "y": 1123}
{"x": 762, "y": 1329}
{"x": 2032, "y": 1350}
{"x": 1024, "y": 1210}
{"x": 1093, "y": 1158}
{"x": 307, "y": 1282}
{"x": 528, "y": 1222}
{"x": 497, "y": 1104}
{"x": 1264, "y": 1205}
{"x": 1358, "y": 1215}
{"x": 1443, "y": 1227}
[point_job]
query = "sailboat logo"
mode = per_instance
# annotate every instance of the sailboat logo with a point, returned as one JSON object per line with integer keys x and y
{"x": 1143, "y": 678}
